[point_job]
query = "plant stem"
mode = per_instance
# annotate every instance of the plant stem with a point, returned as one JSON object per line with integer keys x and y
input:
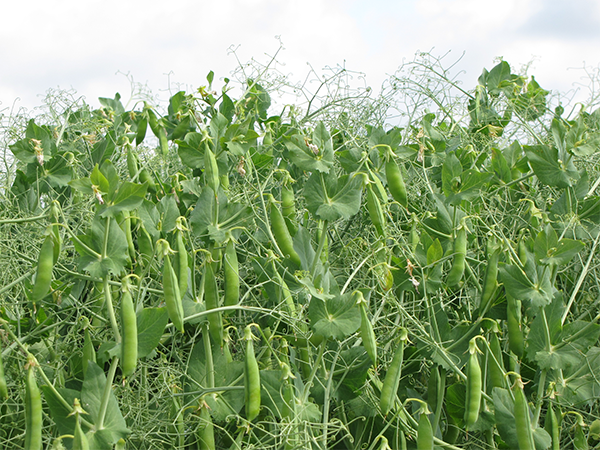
{"x": 107, "y": 391}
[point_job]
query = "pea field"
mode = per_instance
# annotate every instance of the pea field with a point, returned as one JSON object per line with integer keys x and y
{"x": 413, "y": 269}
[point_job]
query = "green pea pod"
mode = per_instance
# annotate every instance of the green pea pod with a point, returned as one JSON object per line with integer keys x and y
{"x": 496, "y": 368}
{"x": 392, "y": 377}
{"x": 580, "y": 441}
{"x": 460, "y": 253}
{"x": 33, "y": 412}
{"x": 251, "y": 378}
{"x": 474, "y": 382}
{"x": 551, "y": 425}
{"x": 232, "y": 276}
{"x": 211, "y": 299}
{"x": 55, "y": 229}
{"x": 43, "y": 276}
{"x": 491, "y": 276}
{"x": 366, "y": 329}
{"x": 211, "y": 169}
{"x": 129, "y": 344}
{"x": 522, "y": 420}
{"x": 132, "y": 164}
{"x": 172, "y": 294}
{"x": 142, "y": 126}
{"x": 206, "y": 430}
{"x": 375, "y": 211}
{"x": 89, "y": 353}
{"x": 424, "y": 433}
{"x": 513, "y": 321}
{"x": 396, "y": 181}
{"x": 183, "y": 264}
{"x": 3, "y": 385}
{"x": 288, "y": 208}
{"x": 282, "y": 235}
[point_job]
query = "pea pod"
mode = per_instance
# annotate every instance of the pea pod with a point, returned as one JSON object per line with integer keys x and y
{"x": 172, "y": 294}
{"x": 182, "y": 260}
{"x": 375, "y": 211}
{"x": 460, "y": 253}
{"x": 551, "y": 425}
{"x": 366, "y": 329}
{"x": 491, "y": 276}
{"x": 580, "y": 441}
{"x": 251, "y": 378}
{"x": 522, "y": 420}
{"x": 3, "y": 385}
{"x": 513, "y": 321}
{"x": 288, "y": 208}
{"x": 129, "y": 343}
{"x": 282, "y": 235}
{"x": 55, "y": 229}
{"x": 392, "y": 377}
{"x": 43, "y": 276}
{"x": 395, "y": 181}
{"x": 33, "y": 411}
{"x": 232, "y": 276}
{"x": 132, "y": 164}
{"x": 496, "y": 368}
{"x": 89, "y": 353}
{"x": 474, "y": 382}
{"x": 211, "y": 169}
{"x": 206, "y": 430}
{"x": 424, "y": 433}
{"x": 211, "y": 299}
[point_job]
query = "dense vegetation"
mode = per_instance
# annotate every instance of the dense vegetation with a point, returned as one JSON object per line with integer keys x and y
{"x": 415, "y": 269}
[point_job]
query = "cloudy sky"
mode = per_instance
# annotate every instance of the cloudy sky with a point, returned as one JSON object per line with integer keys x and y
{"x": 89, "y": 45}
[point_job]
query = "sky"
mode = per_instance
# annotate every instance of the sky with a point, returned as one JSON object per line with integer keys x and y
{"x": 95, "y": 48}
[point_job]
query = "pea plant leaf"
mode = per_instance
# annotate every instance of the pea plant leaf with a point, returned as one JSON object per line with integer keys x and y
{"x": 549, "y": 169}
{"x": 91, "y": 400}
{"x": 317, "y": 155}
{"x": 116, "y": 256}
{"x": 151, "y": 323}
{"x": 334, "y": 318}
{"x": 504, "y": 412}
{"x": 516, "y": 282}
{"x": 331, "y": 198}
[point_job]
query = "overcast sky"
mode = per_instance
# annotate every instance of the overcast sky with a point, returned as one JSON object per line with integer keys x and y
{"x": 88, "y": 45}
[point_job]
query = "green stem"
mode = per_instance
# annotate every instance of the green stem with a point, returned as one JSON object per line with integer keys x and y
{"x": 319, "y": 249}
{"x": 107, "y": 392}
{"x": 326, "y": 401}
{"x": 210, "y": 367}
{"x": 313, "y": 372}
{"x": 111, "y": 311}
{"x": 17, "y": 281}
{"x": 24, "y": 219}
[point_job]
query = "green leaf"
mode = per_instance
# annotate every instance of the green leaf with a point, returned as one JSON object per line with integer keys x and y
{"x": 451, "y": 172}
{"x": 151, "y": 323}
{"x": 331, "y": 198}
{"x": 539, "y": 291}
{"x": 504, "y": 407}
{"x": 127, "y": 197}
{"x": 319, "y": 158}
{"x": 58, "y": 411}
{"x": 191, "y": 150}
{"x": 92, "y": 393}
{"x": 335, "y": 318}
{"x": 456, "y": 398}
{"x": 435, "y": 252}
{"x": 500, "y": 166}
{"x": 549, "y": 169}
{"x": 116, "y": 248}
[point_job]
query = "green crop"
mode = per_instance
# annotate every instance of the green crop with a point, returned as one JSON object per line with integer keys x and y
{"x": 303, "y": 273}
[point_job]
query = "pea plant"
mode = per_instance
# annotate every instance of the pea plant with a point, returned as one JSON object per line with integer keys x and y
{"x": 220, "y": 276}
